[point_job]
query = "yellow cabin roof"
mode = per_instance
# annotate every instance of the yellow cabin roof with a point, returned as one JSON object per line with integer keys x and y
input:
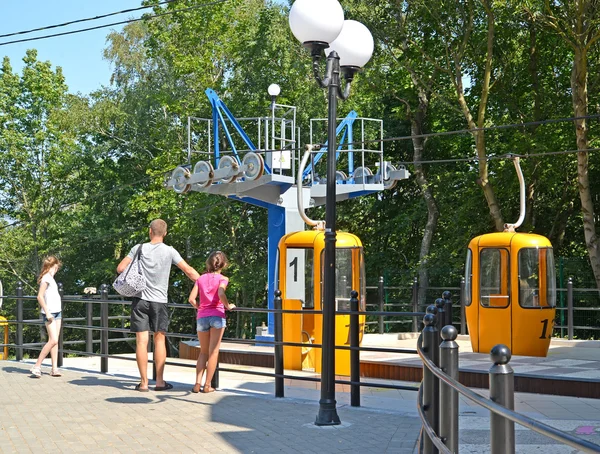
{"x": 311, "y": 238}
{"x": 510, "y": 239}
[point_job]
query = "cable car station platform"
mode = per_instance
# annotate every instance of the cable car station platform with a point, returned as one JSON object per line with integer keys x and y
{"x": 87, "y": 411}
{"x": 572, "y": 368}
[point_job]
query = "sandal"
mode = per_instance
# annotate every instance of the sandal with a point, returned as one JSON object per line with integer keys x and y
{"x": 166, "y": 387}
{"x": 208, "y": 389}
{"x": 55, "y": 373}
{"x": 36, "y": 372}
{"x": 197, "y": 387}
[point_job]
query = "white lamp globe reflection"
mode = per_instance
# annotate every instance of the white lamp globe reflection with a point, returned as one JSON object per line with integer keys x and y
{"x": 316, "y": 20}
{"x": 274, "y": 90}
{"x": 354, "y": 45}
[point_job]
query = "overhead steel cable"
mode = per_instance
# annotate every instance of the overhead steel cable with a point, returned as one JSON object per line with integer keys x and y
{"x": 498, "y": 157}
{"x": 77, "y": 21}
{"x": 390, "y": 139}
{"x": 470, "y": 131}
{"x": 129, "y": 21}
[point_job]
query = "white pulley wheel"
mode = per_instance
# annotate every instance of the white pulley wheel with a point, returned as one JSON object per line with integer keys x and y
{"x": 206, "y": 169}
{"x": 360, "y": 175}
{"x": 227, "y": 162}
{"x": 254, "y": 166}
{"x": 181, "y": 175}
{"x": 340, "y": 176}
{"x": 389, "y": 183}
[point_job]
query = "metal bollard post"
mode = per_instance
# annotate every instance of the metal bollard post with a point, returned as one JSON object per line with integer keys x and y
{"x": 447, "y": 297}
{"x": 19, "y": 350}
{"x": 415, "y": 303}
{"x": 440, "y": 318}
{"x": 430, "y": 382}
{"x": 448, "y": 396}
{"x": 278, "y": 320}
{"x": 570, "y": 307}
{"x": 502, "y": 391}
{"x": 462, "y": 306}
{"x": 381, "y": 296}
{"x": 104, "y": 325}
{"x": 354, "y": 353}
{"x": 59, "y": 359}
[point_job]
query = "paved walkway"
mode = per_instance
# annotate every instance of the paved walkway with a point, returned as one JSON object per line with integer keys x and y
{"x": 85, "y": 411}
{"x": 90, "y": 412}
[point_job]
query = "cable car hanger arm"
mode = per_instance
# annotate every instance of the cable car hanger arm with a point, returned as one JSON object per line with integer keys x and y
{"x": 516, "y": 225}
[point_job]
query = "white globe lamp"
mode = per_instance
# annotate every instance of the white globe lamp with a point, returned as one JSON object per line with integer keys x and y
{"x": 316, "y": 21}
{"x": 274, "y": 90}
{"x": 354, "y": 45}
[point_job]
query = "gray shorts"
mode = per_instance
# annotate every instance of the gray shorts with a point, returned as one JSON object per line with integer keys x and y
{"x": 148, "y": 316}
{"x": 204, "y": 324}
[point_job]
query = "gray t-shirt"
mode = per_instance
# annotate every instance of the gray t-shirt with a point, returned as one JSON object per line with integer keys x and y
{"x": 156, "y": 266}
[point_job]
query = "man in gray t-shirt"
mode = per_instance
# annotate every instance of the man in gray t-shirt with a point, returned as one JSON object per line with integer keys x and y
{"x": 149, "y": 307}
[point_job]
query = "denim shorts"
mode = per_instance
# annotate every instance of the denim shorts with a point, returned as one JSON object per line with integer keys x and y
{"x": 204, "y": 324}
{"x": 56, "y": 315}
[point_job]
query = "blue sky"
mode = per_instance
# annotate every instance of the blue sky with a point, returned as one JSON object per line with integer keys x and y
{"x": 79, "y": 55}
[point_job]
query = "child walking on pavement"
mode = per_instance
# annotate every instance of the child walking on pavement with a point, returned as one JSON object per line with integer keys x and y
{"x": 208, "y": 296}
{"x": 50, "y": 302}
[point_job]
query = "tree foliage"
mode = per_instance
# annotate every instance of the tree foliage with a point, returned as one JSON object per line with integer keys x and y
{"x": 82, "y": 176}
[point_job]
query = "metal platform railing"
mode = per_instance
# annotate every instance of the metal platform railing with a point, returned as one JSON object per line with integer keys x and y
{"x": 438, "y": 396}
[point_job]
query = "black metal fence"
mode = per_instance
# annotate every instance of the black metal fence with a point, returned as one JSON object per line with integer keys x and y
{"x": 110, "y": 326}
{"x": 577, "y": 311}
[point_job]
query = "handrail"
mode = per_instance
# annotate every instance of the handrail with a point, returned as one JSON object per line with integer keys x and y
{"x": 523, "y": 420}
{"x": 437, "y": 441}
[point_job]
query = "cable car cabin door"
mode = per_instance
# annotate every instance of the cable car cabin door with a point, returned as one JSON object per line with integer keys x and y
{"x": 296, "y": 282}
{"x": 495, "y": 310}
{"x": 533, "y": 318}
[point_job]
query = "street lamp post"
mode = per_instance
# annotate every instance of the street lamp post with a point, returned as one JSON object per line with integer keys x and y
{"x": 320, "y": 26}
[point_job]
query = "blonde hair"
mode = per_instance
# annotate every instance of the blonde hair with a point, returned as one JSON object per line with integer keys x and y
{"x": 159, "y": 228}
{"x": 48, "y": 263}
{"x": 216, "y": 261}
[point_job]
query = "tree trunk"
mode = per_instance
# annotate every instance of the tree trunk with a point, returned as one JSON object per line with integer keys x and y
{"x": 580, "y": 109}
{"x": 477, "y": 124}
{"x": 433, "y": 212}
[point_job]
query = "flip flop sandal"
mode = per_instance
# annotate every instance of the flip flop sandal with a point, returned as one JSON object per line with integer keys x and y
{"x": 55, "y": 373}
{"x": 36, "y": 372}
{"x": 164, "y": 388}
{"x": 208, "y": 389}
{"x": 197, "y": 388}
{"x": 139, "y": 388}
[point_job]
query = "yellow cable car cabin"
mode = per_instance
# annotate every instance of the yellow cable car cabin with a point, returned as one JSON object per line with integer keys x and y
{"x": 300, "y": 275}
{"x": 510, "y": 296}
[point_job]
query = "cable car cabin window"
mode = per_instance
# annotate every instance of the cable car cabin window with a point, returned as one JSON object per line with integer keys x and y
{"x": 550, "y": 279}
{"x": 494, "y": 278}
{"x": 343, "y": 277}
{"x": 299, "y": 276}
{"x": 362, "y": 291}
{"x": 537, "y": 282}
{"x": 468, "y": 271}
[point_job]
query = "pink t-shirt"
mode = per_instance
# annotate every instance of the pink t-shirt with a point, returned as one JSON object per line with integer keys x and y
{"x": 208, "y": 291}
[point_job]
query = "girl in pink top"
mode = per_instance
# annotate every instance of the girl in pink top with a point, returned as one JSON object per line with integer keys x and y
{"x": 210, "y": 322}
